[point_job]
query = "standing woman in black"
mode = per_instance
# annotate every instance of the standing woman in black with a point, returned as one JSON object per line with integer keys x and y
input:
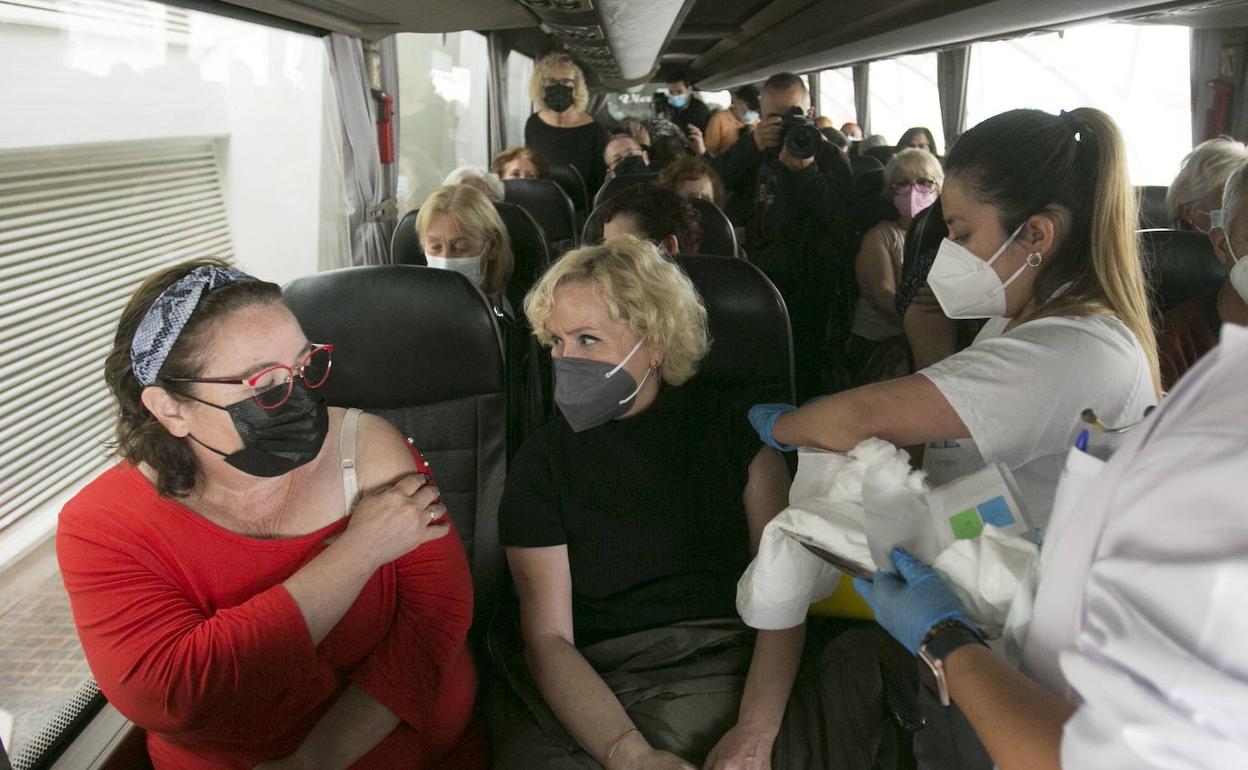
{"x": 561, "y": 130}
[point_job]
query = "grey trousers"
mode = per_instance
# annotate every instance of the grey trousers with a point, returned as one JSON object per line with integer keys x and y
{"x": 682, "y": 686}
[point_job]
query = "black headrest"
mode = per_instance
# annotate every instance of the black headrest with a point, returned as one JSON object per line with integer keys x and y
{"x": 1153, "y": 210}
{"x": 405, "y": 241}
{"x": 861, "y": 164}
{"x": 1180, "y": 265}
{"x": 751, "y": 341}
{"x": 570, "y": 180}
{"x": 528, "y": 247}
{"x": 402, "y": 335}
{"x": 548, "y": 204}
{"x": 624, "y": 181}
{"x": 718, "y": 236}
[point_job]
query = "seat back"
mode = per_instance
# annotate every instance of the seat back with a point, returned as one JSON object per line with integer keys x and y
{"x": 573, "y": 184}
{"x": 751, "y": 341}
{"x": 1179, "y": 265}
{"x": 718, "y": 236}
{"x": 548, "y": 203}
{"x": 624, "y": 181}
{"x": 421, "y": 348}
{"x": 1154, "y": 213}
{"x": 405, "y": 246}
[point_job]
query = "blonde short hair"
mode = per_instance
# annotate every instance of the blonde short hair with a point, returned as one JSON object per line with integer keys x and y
{"x": 478, "y": 219}
{"x": 541, "y": 70}
{"x": 641, "y": 288}
{"x": 488, "y": 179}
{"x": 914, "y": 163}
{"x": 1204, "y": 172}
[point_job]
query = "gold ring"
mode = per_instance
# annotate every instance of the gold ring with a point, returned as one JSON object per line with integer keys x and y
{"x": 433, "y": 516}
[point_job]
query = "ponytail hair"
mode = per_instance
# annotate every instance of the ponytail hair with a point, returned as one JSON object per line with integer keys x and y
{"x": 1073, "y": 167}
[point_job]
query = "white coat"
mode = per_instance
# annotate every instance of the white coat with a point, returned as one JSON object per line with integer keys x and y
{"x": 1142, "y": 612}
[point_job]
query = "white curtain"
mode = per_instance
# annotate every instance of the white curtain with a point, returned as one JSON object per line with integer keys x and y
{"x": 496, "y": 93}
{"x": 952, "y": 71}
{"x": 366, "y": 188}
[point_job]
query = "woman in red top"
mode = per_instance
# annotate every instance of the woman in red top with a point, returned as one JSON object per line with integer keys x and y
{"x": 234, "y": 596}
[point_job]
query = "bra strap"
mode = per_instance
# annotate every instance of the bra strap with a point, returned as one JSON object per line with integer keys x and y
{"x": 346, "y": 451}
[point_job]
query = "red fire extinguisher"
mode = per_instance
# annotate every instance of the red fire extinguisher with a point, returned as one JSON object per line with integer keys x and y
{"x": 385, "y": 125}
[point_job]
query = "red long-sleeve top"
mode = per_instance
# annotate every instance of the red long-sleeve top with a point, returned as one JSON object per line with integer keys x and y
{"x": 191, "y": 635}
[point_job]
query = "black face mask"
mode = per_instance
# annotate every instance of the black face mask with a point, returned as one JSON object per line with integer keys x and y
{"x": 276, "y": 441}
{"x": 633, "y": 164}
{"x": 558, "y": 97}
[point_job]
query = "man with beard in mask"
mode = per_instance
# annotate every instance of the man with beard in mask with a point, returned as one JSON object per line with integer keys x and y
{"x": 794, "y": 201}
{"x": 561, "y": 131}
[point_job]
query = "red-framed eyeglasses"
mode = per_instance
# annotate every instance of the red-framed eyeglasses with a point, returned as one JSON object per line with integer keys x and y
{"x": 271, "y": 387}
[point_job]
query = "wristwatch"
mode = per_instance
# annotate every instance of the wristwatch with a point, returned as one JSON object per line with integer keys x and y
{"x": 942, "y": 639}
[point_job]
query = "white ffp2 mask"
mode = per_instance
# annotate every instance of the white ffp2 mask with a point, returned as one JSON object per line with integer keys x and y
{"x": 967, "y": 286}
{"x": 1239, "y": 273}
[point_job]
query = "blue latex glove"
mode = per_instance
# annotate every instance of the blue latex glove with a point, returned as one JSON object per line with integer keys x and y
{"x": 763, "y": 419}
{"x": 912, "y": 600}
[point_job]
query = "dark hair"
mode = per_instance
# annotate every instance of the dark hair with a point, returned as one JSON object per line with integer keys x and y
{"x": 140, "y": 436}
{"x": 689, "y": 169}
{"x": 1073, "y": 167}
{"x": 679, "y": 76}
{"x": 659, "y": 211}
{"x": 749, "y": 95}
{"x": 783, "y": 81}
{"x": 665, "y": 150}
{"x": 908, "y": 137}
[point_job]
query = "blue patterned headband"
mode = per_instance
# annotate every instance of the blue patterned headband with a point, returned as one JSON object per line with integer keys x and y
{"x": 168, "y": 315}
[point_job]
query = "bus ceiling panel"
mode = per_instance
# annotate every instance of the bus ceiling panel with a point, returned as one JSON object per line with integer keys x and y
{"x": 1211, "y": 14}
{"x": 375, "y": 19}
{"x": 829, "y": 34}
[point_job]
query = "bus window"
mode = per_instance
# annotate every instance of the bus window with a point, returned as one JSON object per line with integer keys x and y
{"x": 902, "y": 94}
{"x": 1141, "y": 79}
{"x": 443, "y": 115}
{"x": 836, "y": 96}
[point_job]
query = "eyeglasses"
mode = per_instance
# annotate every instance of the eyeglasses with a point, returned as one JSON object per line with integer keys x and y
{"x": 926, "y": 184}
{"x": 271, "y": 387}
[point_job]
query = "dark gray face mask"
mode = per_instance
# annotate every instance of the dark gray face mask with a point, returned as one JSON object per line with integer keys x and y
{"x": 590, "y": 393}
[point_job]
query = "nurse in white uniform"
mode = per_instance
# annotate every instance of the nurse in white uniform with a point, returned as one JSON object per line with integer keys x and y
{"x": 1136, "y": 653}
{"x": 1041, "y": 242}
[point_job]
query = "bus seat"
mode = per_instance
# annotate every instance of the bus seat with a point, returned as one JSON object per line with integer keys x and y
{"x": 751, "y": 351}
{"x": 618, "y": 183}
{"x": 1154, "y": 213}
{"x": 861, "y": 164}
{"x": 1180, "y": 265}
{"x": 405, "y": 242}
{"x": 548, "y": 203}
{"x": 868, "y": 206}
{"x": 718, "y": 236}
{"x": 421, "y": 348}
{"x": 573, "y": 184}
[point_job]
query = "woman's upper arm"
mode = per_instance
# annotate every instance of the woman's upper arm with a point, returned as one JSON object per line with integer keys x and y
{"x": 874, "y": 263}
{"x": 382, "y": 453}
{"x": 544, "y": 582}
{"x": 766, "y": 492}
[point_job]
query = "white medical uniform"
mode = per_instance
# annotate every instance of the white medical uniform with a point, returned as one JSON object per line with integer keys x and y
{"x": 1020, "y": 393}
{"x": 1142, "y": 612}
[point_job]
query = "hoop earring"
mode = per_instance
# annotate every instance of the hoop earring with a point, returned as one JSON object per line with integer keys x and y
{"x": 1034, "y": 259}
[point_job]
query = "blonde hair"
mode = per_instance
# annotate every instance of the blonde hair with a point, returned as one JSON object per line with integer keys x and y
{"x": 642, "y": 289}
{"x": 915, "y": 163}
{"x": 542, "y": 69}
{"x": 1073, "y": 167}
{"x": 1204, "y": 171}
{"x": 469, "y": 174}
{"x": 479, "y": 220}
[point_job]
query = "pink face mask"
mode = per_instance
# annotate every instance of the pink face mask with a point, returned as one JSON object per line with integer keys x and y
{"x": 913, "y": 199}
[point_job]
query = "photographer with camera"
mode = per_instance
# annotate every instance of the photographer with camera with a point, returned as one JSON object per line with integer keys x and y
{"x": 790, "y": 189}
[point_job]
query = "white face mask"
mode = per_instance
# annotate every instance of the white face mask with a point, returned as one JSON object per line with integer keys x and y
{"x": 468, "y": 267}
{"x": 1239, "y": 273}
{"x": 967, "y": 286}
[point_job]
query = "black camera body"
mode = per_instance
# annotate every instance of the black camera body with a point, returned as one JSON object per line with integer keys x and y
{"x": 799, "y": 134}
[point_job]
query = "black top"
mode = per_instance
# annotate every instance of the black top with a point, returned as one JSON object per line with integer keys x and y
{"x": 581, "y": 146}
{"x": 650, "y": 508}
{"x": 694, "y": 113}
